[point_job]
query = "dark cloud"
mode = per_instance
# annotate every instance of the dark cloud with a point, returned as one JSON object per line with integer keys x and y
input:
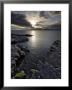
{"x": 42, "y": 14}
{"x": 49, "y": 14}
{"x": 50, "y": 19}
{"x": 44, "y": 19}
{"x": 56, "y": 12}
{"x": 56, "y": 26}
{"x": 19, "y": 19}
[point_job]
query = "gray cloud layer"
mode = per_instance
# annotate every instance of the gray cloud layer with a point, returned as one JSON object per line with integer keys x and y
{"x": 44, "y": 18}
{"x": 19, "y": 19}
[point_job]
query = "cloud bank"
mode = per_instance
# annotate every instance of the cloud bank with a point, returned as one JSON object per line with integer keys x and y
{"x": 19, "y": 19}
{"x": 44, "y": 19}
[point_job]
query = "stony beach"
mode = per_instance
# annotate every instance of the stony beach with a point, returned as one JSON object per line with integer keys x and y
{"x": 25, "y": 65}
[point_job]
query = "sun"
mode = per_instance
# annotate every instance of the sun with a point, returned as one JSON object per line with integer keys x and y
{"x": 33, "y": 22}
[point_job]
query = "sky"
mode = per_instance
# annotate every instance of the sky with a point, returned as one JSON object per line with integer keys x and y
{"x": 35, "y": 19}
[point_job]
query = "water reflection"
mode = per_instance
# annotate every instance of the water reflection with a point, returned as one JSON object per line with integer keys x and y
{"x": 33, "y": 39}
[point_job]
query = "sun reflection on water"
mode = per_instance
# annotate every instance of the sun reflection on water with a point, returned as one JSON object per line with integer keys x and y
{"x": 34, "y": 36}
{"x": 33, "y": 39}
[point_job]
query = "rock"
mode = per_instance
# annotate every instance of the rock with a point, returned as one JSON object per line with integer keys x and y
{"x": 47, "y": 71}
{"x": 17, "y": 39}
{"x": 30, "y": 66}
{"x": 17, "y": 56}
{"x": 34, "y": 71}
{"x": 13, "y": 41}
{"x": 20, "y": 75}
{"x": 54, "y": 54}
{"x": 57, "y": 43}
{"x": 24, "y": 48}
{"x": 28, "y": 35}
{"x": 35, "y": 74}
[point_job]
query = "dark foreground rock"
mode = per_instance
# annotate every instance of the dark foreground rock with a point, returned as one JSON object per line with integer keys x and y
{"x": 17, "y": 56}
{"x": 17, "y": 39}
{"x": 54, "y": 54}
{"x": 25, "y": 65}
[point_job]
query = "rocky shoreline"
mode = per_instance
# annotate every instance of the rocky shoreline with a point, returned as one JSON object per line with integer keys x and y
{"x": 27, "y": 66}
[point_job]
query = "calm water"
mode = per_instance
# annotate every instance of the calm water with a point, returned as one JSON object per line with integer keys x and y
{"x": 41, "y": 40}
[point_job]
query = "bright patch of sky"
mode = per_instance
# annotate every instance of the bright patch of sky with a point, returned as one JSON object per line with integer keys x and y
{"x": 40, "y": 19}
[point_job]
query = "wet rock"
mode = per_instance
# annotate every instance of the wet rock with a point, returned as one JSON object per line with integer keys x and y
{"x": 54, "y": 54}
{"x": 28, "y": 35}
{"x": 47, "y": 71}
{"x": 57, "y": 43}
{"x": 17, "y": 56}
{"x": 13, "y": 41}
{"x": 17, "y": 39}
{"x": 30, "y": 66}
{"x": 23, "y": 48}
